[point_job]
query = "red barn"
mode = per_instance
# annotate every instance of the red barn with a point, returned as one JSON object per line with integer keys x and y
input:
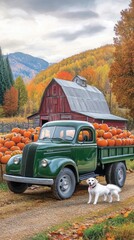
{"x": 75, "y": 100}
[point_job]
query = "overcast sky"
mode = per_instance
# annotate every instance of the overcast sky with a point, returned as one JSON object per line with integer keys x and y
{"x": 57, "y": 29}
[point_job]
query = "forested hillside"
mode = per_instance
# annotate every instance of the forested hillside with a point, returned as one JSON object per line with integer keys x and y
{"x": 94, "y": 65}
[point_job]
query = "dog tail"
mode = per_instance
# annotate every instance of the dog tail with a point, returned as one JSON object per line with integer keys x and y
{"x": 113, "y": 187}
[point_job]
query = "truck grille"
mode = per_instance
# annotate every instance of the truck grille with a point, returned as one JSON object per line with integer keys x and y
{"x": 28, "y": 160}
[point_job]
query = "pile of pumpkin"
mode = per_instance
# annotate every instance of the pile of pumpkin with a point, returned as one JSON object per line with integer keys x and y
{"x": 112, "y": 136}
{"x": 13, "y": 143}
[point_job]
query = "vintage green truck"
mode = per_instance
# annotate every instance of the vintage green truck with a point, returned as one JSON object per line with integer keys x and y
{"x": 65, "y": 154}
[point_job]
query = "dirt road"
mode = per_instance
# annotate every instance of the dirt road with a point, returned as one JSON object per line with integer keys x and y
{"x": 35, "y": 210}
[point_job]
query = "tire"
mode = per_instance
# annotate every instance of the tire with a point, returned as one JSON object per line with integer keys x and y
{"x": 64, "y": 184}
{"x": 118, "y": 174}
{"x": 108, "y": 173}
{"x": 17, "y": 187}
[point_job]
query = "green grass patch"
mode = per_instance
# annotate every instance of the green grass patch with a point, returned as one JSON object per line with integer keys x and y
{"x": 130, "y": 164}
{"x": 120, "y": 228}
{"x": 40, "y": 236}
{"x": 3, "y": 187}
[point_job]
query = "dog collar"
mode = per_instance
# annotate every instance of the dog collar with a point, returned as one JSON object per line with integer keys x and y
{"x": 93, "y": 186}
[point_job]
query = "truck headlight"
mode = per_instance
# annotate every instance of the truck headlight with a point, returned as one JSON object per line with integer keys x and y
{"x": 44, "y": 163}
{"x": 16, "y": 160}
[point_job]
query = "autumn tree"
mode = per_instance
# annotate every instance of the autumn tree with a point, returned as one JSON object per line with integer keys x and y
{"x": 10, "y": 105}
{"x": 64, "y": 75}
{"x": 22, "y": 93}
{"x": 122, "y": 70}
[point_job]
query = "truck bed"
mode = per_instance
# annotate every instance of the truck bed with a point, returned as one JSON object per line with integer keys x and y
{"x": 115, "y": 153}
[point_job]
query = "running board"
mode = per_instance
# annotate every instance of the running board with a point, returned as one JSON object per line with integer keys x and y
{"x": 88, "y": 175}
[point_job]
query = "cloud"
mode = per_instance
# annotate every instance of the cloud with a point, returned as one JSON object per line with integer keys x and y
{"x": 82, "y": 15}
{"x": 88, "y": 30}
{"x": 47, "y": 6}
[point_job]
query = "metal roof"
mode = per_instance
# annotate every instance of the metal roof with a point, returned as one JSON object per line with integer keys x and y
{"x": 87, "y": 100}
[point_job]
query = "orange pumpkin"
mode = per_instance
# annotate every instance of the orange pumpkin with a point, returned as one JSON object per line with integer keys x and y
{"x": 118, "y": 141}
{"x": 16, "y": 138}
{"x": 111, "y": 142}
{"x": 16, "y": 130}
{"x": 105, "y": 127}
{"x": 100, "y": 132}
{"x": 13, "y": 148}
{"x": 2, "y": 140}
{"x": 27, "y": 134}
{"x": 1, "y": 154}
{"x": 96, "y": 125}
{"x": 113, "y": 130}
{"x": 102, "y": 142}
{"x": 3, "y": 149}
{"x": 9, "y": 144}
{"x": 21, "y": 145}
{"x": 107, "y": 135}
{"x": 5, "y": 158}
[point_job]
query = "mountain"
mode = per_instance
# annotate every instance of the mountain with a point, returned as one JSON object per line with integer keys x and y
{"x": 26, "y": 66}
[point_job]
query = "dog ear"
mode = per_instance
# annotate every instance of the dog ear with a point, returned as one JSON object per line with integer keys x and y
{"x": 96, "y": 180}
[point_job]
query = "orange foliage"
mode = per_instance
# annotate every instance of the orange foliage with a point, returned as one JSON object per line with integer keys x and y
{"x": 64, "y": 75}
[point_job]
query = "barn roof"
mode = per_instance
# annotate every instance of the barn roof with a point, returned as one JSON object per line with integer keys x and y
{"x": 87, "y": 100}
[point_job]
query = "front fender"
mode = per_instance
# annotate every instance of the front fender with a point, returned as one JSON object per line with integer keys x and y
{"x": 11, "y": 167}
{"x": 55, "y": 165}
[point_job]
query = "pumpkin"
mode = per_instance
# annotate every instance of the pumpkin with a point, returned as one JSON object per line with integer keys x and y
{"x": 113, "y": 130}
{"x": 96, "y": 125}
{"x": 3, "y": 149}
{"x": 21, "y": 145}
{"x": 102, "y": 142}
{"x": 2, "y": 140}
{"x": 9, "y": 144}
{"x": 16, "y": 138}
{"x": 118, "y": 141}
{"x": 27, "y": 134}
{"x": 100, "y": 132}
{"x": 105, "y": 127}
{"x": 16, "y": 130}
{"x": 13, "y": 148}
{"x": 107, "y": 135}
{"x": 111, "y": 142}
{"x": 35, "y": 137}
{"x": 5, "y": 158}
{"x": 1, "y": 154}
{"x": 1, "y": 145}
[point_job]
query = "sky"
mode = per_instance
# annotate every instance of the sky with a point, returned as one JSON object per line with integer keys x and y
{"x": 57, "y": 29}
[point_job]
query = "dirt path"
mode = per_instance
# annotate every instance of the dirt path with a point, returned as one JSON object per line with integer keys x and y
{"x": 24, "y": 215}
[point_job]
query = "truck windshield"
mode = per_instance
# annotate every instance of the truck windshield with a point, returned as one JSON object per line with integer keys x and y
{"x": 57, "y": 133}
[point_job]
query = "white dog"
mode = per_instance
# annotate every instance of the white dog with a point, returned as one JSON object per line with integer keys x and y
{"x": 98, "y": 189}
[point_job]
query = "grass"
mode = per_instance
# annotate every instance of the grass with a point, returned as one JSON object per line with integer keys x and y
{"x": 130, "y": 164}
{"x": 118, "y": 228}
{"x": 3, "y": 187}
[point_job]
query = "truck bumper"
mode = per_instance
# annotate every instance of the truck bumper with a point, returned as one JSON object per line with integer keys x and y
{"x": 33, "y": 181}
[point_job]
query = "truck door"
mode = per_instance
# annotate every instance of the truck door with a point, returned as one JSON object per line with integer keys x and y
{"x": 86, "y": 151}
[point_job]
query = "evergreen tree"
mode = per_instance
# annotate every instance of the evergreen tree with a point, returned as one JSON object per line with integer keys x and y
{"x": 6, "y": 77}
{"x": 22, "y": 92}
{"x": 2, "y": 83}
{"x": 122, "y": 69}
{"x": 10, "y": 75}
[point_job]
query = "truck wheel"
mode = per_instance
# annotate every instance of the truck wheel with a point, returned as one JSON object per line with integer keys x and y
{"x": 64, "y": 184}
{"x": 108, "y": 173}
{"x": 118, "y": 174}
{"x": 17, "y": 187}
